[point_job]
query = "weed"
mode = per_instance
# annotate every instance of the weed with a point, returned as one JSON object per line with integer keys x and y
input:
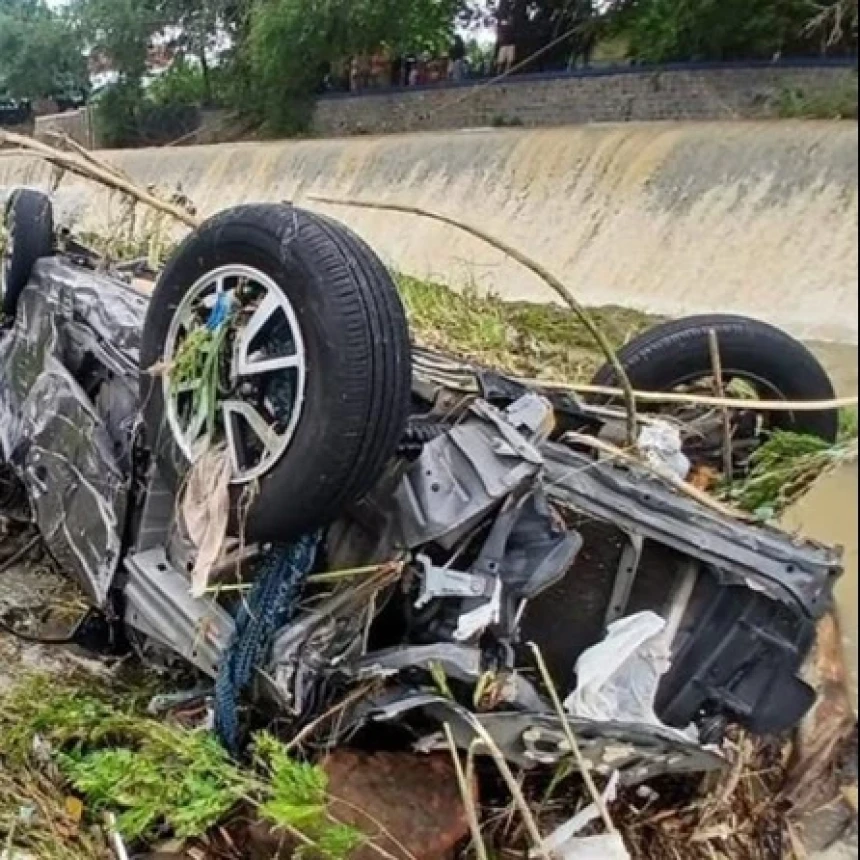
{"x": 783, "y": 468}
{"x": 158, "y": 777}
{"x": 848, "y": 424}
{"x": 541, "y": 341}
{"x": 198, "y": 363}
{"x": 838, "y": 101}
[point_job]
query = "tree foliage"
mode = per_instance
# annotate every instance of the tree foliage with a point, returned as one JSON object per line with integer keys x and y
{"x": 291, "y": 44}
{"x": 41, "y": 53}
{"x": 268, "y": 58}
{"x": 660, "y": 31}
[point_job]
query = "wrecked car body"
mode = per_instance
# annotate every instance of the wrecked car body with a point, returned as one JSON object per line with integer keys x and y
{"x": 488, "y": 530}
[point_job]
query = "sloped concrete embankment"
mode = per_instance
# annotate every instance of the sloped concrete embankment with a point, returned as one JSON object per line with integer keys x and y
{"x": 758, "y": 218}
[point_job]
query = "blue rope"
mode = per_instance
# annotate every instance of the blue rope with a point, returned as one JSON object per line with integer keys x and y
{"x": 269, "y": 606}
{"x": 219, "y": 313}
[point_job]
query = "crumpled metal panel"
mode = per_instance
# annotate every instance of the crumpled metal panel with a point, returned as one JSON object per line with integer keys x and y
{"x": 75, "y": 341}
{"x": 796, "y": 572}
{"x": 462, "y": 476}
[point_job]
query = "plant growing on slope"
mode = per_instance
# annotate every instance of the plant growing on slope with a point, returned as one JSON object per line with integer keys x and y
{"x": 158, "y": 777}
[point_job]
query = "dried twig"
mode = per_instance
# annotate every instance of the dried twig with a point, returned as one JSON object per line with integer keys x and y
{"x": 486, "y": 740}
{"x": 720, "y": 391}
{"x": 698, "y": 399}
{"x": 677, "y": 483}
{"x": 72, "y": 145}
{"x": 92, "y": 168}
{"x": 581, "y": 763}
{"x": 468, "y": 797}
{"x": 541, "y": 271}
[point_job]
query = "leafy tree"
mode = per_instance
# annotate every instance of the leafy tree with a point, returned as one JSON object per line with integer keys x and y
{"x": 678, "y": 30}
{"x": 122, "y": 32}
{"x": 291, "y": 44}
{"x": 41, "y": 54}
{"x": 198, "y": 26}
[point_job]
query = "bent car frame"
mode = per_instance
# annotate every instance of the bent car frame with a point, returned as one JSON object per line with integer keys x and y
{"x": 399, "y": 524}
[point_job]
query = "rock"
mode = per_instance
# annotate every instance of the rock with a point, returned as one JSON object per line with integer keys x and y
{"x": 414, "y": 798}
{"x": 400, "y": 800}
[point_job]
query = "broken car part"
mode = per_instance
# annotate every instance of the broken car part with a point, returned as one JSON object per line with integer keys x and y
{"x": 487, "y": 516}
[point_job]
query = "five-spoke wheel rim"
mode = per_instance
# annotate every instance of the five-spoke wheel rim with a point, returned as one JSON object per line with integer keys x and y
{"x": 262, "y": 373}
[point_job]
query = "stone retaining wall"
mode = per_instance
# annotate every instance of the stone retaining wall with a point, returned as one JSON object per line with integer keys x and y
{"x": 619, "y": 95}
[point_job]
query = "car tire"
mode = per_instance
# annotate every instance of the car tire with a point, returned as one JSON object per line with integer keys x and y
{"x": 355, "y": 336}
{"x": 29, "y": 221}
{"x": 678, "y": 352}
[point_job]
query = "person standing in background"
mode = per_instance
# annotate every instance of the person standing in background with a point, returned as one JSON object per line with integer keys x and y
{"x": 457, "y": 59}
{"x": 507, "y": 56}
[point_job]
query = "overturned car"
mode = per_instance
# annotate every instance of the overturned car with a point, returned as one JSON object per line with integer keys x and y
{"x": 249, "y": 469}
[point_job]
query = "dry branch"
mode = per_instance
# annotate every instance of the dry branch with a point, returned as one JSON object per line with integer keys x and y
{"x": 720, "y": 391}
{"x": 677, "y": 483}
{"x": 667, "y": 397}
{"x": 541, "y": 271}
{"x": 92, "y": 168}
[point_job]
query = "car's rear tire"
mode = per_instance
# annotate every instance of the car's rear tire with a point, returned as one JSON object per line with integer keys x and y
{"x": 355, "y": 338}
{"x": 29, "y": 221}
{"x": 778, "y": 366}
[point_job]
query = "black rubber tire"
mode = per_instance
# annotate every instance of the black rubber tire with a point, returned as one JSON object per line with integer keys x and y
{"x": 29, "y": 220}
{"x": 678, "y": 352}
{"x": 359, "y": 360}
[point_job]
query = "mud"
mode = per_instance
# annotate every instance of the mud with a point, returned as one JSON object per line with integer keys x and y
{"x": 829, "y": 513}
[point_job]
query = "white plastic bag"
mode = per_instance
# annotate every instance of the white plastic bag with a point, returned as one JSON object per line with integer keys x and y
{"x": 610, "y": 847}
{"x": 618, "y": 678}
{"x": 661, "y": 444}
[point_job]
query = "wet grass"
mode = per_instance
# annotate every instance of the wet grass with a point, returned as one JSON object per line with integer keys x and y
{"x": 538, "y": 341}
{"x": 73, "y": 750}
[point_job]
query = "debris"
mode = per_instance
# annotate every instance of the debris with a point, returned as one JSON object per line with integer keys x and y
{"x": 609, "y": 847}
{"x": 206, "y": 513}
{"x": 562, "y": 841}
{"x": 116, "y": 838}
{"x": 660, "y": 443}
{"x": 485, "y": 510}
{"x": 618, "y": 679}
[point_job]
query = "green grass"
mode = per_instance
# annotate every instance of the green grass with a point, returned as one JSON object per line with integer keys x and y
{"x": 539, "y": 341}
{"x": 838, "y": 101}
{"x": 786, "y": 466}
{"x": 848, "y": 424}
{"x": 158, "y": 778}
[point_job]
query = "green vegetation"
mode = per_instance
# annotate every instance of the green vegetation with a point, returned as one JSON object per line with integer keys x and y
{"x": 786, "y": 465}
{"x": 540, "y": 341}
{"x": 157, "y": 778}
{"x": 662, "y": 31}
{"x": 41, "y": 51}
{"x": 268, "y": 59}
{"x": 837, "y": 102}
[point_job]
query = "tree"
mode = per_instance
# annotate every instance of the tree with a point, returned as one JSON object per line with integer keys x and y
{"x": 122, "y": 32}
{"x": 661, "y": 31}
{"x": 198, "y": 28}
{"x": 290, "y": 44}
{"x": 41, "y": 54}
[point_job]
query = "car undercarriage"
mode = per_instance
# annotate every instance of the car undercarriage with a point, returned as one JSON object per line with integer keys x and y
{"x": 495, "y": 525}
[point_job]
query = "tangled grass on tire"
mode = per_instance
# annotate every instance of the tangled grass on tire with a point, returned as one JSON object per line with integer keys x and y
{"x": 198, "y": 359}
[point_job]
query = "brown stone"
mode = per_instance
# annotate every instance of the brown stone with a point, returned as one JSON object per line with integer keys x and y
{"x": 400, "y": 800}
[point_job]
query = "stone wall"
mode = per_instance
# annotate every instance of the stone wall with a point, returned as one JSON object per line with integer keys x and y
{"x": 619, "y": 95}
{"x": 76, "y": 124}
